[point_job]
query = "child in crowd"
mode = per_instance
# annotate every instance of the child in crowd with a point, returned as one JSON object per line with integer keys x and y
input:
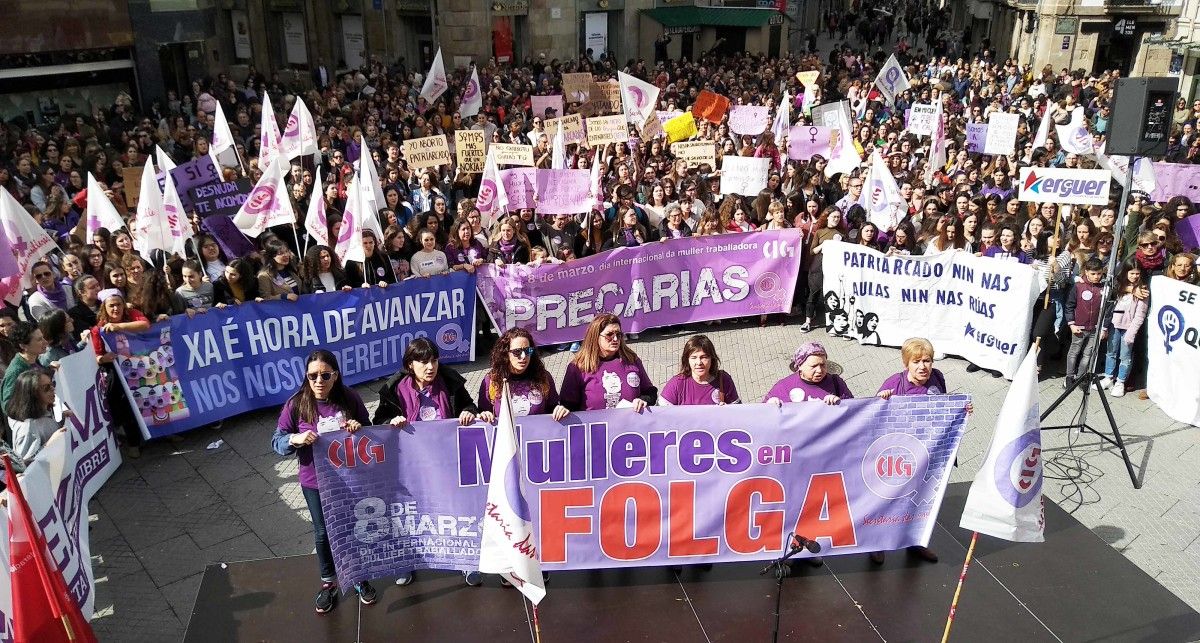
{"x": 1083, "y": 317}
{"x": 1127, "y": 318}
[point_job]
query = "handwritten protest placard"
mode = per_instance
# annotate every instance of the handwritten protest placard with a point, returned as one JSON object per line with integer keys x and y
{"x": 572, "y": 128}
{"x": 563, "y": 191}
{"x": 430, "y": 151}
{"x": 543, "y": 104}
{"x": 694, "y": 153}
{"x": 521, "y": 186}
{"x": 807, "y": 141}
{"x": 606, "y": 98}
{"x": 132, "y": 178}
{"x": 602, "y": 130}
{"x": 748, "y": 119}
{"x": 511, "y": 154}
{"x": 710, "y": 107}
{"x": 976, "y": 135}
{"x": 1001, "y": 133}
{"x": 744, "y": 175}
{"x": 472, "y": 150}
{"x": 681, "y": 127}
{"x": 220, "y": 198}
{"x": 920, "y": 120}
{"x": 577, "y": 88}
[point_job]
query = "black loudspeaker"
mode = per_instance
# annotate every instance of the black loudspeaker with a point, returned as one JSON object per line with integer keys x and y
{"x": 1141, "y": 116}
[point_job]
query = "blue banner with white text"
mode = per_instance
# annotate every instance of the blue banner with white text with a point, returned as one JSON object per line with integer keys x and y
{"x": 196, "y": 370}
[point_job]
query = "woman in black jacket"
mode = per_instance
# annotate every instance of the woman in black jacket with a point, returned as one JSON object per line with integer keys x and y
{"x": 320, "y": 272}
{"x": 425, "y": 390}
{"x": 377, "y": 269}
{"x": 238, "y": 285}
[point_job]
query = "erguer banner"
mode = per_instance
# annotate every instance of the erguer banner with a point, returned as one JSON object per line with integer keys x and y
{"x": 1064, "y": 186}
{"x": 979, "y": 308}
{"x": 672, "y": 485}
{"x": 658, "y": 284}
{"x": 197, "y": 370}
{"x": 61, "y": 480}
{"x": 1173, "y": 344}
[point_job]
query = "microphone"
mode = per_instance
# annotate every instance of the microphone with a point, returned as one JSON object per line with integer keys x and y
{"x": 800, "y": 542}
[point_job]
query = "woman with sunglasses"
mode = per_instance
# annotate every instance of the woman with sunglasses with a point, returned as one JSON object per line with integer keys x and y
{"x": 423, "y": 391}
{"x": 606, "y": 373}
{"x": 515, "y": 359}
{"x": 323, "y": 403}
{"x": 1151, "y": 255}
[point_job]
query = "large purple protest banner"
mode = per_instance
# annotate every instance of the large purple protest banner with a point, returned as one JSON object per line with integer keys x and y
{"x": 659, "y": 284}
{"x": 1176, "y": 179}
{"x": 672, "y": 485}
{"x": 563, "y": 191}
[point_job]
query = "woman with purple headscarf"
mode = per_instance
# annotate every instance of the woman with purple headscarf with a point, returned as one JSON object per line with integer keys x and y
{"x": 809, "y": 379}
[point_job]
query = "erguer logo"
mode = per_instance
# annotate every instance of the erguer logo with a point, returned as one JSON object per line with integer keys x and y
{"x": 351, "y": 451}
{"x": 1063, "y": 187}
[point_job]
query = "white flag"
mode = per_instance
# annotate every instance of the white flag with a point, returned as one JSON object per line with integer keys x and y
{"x": 783, "y": 118}
{"x": 1074, "y": 136}
{"x": 300, "y": 135}
{"x": 435, "y": 81}
{"x": 558, "y": 151}
{"x": 891, "y": 80}
{"x": 25, "y": 242}
{"x": 596, "y": 183}
{"x": 492, "y": 200}
{"x": 845, "y": 157}
{"x": 638, "y": 97}
{"x": 472, "y": 98}
{"x": 367, "y": 180}
{"x": 150, "y": 228}
{"x": 1043, "y": 131}
{"x": 267, "y": 205}
{"x": 315, "y": 222}
{"x": 1005, "y": 500}
{"x": 101, "y": 213}
{"x": 508, "y": 546}
{"x": 165, "y": 164}
{"x": 177, "y": 220}
{"x": 881, "y": 196}
{"x": 222, "y": 138}
{"x": 268, "y": 136}
{"x": 937, "y": 146}
{"x": 349, "y": 245}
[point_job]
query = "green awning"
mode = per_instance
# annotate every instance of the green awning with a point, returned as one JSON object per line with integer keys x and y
{"x": 713, "y": 17}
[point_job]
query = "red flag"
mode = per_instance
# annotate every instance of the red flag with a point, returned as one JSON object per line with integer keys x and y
{"x": 43, "y": 609}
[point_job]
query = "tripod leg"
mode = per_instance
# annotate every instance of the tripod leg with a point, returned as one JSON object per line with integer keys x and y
{"x": 1120, "y": 442}
{"x": 1061, "y": 398}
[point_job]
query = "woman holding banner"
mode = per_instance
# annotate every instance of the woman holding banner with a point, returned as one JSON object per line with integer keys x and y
{"x": 700, "y": 379}
{"x": 115, "y": 316}
{"x": 810, "y": 379}
{"x": 515, "y": 358}
{"x": 424, "y": 390}
{"x": 323, "y": 404}
{"x": 606, "y": 373}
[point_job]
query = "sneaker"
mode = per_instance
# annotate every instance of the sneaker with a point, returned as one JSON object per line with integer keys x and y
{"x": 473, "y": 578}
{"x": 404, "y": 579}
{"x": 1105, "y": 382}
{"x": 327, "y": 597}
{"x": 366, "y": 593}
{"x": 806, "y": 327}
{"x": 1068, "y": 381}
{"x": 1118, "y": 389}
{"x": 574, "y": 347}
{"x": 971, "y": 368}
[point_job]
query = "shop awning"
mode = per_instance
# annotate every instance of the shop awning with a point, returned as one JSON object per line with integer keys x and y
{"x": 684, "y": 17}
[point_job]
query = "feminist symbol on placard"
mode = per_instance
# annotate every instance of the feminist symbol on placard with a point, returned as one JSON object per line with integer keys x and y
{"x": 812, "y": 133}
{"x": 890, "y": 77}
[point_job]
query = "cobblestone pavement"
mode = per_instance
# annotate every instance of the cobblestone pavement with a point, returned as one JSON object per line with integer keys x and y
{"x": 164, "y": 517}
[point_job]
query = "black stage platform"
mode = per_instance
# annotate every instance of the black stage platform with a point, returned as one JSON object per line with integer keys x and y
{"x": 1073, "y": 587}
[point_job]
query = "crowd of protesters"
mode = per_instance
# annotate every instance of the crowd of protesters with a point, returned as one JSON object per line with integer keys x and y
{"x": 431, "y": 225}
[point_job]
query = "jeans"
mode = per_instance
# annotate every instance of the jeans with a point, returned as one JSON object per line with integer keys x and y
{"x": 312, "y": 498}
{"x": 1118, "y": 351}
{"x": 1080, "y": 353}
{"x": 815, "y": 305}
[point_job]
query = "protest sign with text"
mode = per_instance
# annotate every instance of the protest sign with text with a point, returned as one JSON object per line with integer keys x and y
{"x": 472, "y": 150}
{"x": 976, "y": 137}
{"x": 678, "y": 282}
{"x": 1001, "y": 137}
{"x": 572, "y": 125}
{"x": 744, "y": 175}
{"x": 577, "y": 88}
{"x": 748, "y": 119}
{"x": 430, "y": 151}
{"x": 672, "y": 485}
{"x": 605, "y": 98}
{"x": 695, "y": 153}
{"x": 563, "y": 191}
{"x": 220, "y": 198}
{"x": 602, "y": 130}
{"x": 197, "y": 370}
{"x": 978, "y": 308}
{"x": 520, "y": 186}
{"x": 1173, "y": 347}
{"x": 513, "y": 154}
{"x": 921, "y": 120}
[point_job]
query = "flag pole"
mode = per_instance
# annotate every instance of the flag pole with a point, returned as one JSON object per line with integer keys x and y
{"x": 537, "y": 629}
{"x": 958, "y": 590}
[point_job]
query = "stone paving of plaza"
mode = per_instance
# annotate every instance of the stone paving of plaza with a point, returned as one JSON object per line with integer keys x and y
{"x": 164, "y": 517}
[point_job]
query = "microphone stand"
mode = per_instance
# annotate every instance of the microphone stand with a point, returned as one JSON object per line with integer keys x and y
{"x": 780, "y": 567}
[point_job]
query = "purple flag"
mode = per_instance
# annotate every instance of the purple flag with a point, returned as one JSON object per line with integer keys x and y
{"x": 563, "y": 191}
{"x": 606, "y": 491}
{"x": 1189, "y": 232}
{"x": 231, "y": 240}
{"x": 520, "y": 184}
{"x": 1176, "y": 179}
{"x": 659, "y": 284}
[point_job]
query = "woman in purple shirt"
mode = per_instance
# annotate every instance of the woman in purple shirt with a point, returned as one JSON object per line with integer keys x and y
{"x": 606, "y": 373}
{"x": 515, "y": 358}
{"x": 700, "y": 379}
{"x": 322, "y": 405}
{"x": 919, "y": 377}
{"x": 809, "y": 379}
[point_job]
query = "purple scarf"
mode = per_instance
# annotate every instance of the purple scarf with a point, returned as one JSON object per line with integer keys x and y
{"x": 407, "y": 391}
{"x": 508, "y": 249}
{"x": 58, "y": 297}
